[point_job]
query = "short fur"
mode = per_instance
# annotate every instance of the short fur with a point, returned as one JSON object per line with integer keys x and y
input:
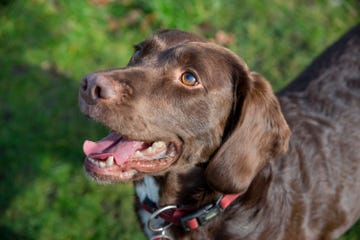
{"x": 234, "y": 135}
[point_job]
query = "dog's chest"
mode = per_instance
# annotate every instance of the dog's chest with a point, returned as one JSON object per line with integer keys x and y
{"x": 148, "y": 188}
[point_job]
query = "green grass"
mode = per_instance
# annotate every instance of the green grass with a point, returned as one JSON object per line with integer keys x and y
{"x": 47, "y": 46}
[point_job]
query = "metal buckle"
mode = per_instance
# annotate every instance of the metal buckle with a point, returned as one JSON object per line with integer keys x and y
{"x": 203, "y": 215}
{"x": 154, "y": 216}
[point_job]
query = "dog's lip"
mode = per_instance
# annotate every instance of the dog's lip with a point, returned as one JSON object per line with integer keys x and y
{"x": 108, "y": 174}
{"x": 128, "y": 172}
{"x": 105, "y": 159}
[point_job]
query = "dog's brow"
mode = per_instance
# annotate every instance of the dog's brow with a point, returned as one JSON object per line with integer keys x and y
{"x": 137, "y": 46}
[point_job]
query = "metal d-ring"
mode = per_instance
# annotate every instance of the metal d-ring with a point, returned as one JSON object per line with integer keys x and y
{"x": 155, "y": 215}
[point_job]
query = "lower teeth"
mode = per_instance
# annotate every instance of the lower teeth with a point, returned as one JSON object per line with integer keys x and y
{"x": 102, "y": 164}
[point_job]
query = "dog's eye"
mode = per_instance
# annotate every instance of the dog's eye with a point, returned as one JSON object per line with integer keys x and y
{"x": 188, "y": 79}
{"x": 137, "y": 53}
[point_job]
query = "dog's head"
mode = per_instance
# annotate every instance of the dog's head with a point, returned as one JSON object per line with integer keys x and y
{"x": 179, "y": 102}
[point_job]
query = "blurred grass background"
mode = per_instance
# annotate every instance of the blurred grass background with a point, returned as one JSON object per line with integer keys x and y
{"x": 46, "y": 46}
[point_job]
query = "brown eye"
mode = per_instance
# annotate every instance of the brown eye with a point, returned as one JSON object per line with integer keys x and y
{"x": 188, "y": 79}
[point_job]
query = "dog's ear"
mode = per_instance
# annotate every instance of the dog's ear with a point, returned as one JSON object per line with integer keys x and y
{"x": 257, "y": 133}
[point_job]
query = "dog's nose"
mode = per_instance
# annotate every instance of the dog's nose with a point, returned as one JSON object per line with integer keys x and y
{"x": 95, "y": 87}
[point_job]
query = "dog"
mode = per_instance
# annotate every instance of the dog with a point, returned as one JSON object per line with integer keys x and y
{"x": 215, "y": 154}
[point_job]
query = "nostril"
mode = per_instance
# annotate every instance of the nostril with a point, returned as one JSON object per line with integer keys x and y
{"x": 96, "y": 92}
{"x": 95, "y": 87}
{"x": 108, "y": 92}
{"x": 102, "y": 89}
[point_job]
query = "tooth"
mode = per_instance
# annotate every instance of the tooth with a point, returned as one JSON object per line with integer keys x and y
{"x": 92, "y": 160}
{"x": 159, "y": 144}
{"x": 102, "y": 164}
{"x": 150, "y": 150}
{"x": 138, "y": 154}
{"x": 163, "y": 154}
{"x": 110, "y": 161}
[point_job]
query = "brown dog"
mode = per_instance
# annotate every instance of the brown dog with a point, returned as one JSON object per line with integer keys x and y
{"x": 208, "y": 144}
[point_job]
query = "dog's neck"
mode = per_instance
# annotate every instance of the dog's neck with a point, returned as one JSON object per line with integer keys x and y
{"x": 181, "y": 189}
{"x": 187, "y": 188}
{"x": 190, "y": 188}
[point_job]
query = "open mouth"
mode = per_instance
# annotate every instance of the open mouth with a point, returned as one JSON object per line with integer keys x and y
{"x": 117, "y": 159}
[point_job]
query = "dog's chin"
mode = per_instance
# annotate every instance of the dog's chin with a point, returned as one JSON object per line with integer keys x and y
{"x": 108, "y": 175}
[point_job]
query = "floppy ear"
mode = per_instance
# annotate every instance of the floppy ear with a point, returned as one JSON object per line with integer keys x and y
{"x": 259, "y": 134}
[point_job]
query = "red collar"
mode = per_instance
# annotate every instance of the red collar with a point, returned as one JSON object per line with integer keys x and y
{"x": 189, "y": 217}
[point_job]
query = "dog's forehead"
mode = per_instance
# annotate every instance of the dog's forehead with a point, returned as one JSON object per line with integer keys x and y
{"x": 188, "y": 55}
{"x": 175, "y": 37}
{"x": 169, "y": 38}
{"x": 198, "y": 55}
{"x": 174, "y": 51}
{"x": 181, "y": 44}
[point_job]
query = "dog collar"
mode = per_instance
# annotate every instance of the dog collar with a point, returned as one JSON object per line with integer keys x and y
{"x": 189, "y": 218}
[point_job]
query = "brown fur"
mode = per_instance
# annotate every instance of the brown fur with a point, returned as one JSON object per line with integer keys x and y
{"x": 233, "y": 136}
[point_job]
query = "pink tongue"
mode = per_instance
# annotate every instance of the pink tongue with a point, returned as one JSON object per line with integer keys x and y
{"x": 112, "y": 145}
